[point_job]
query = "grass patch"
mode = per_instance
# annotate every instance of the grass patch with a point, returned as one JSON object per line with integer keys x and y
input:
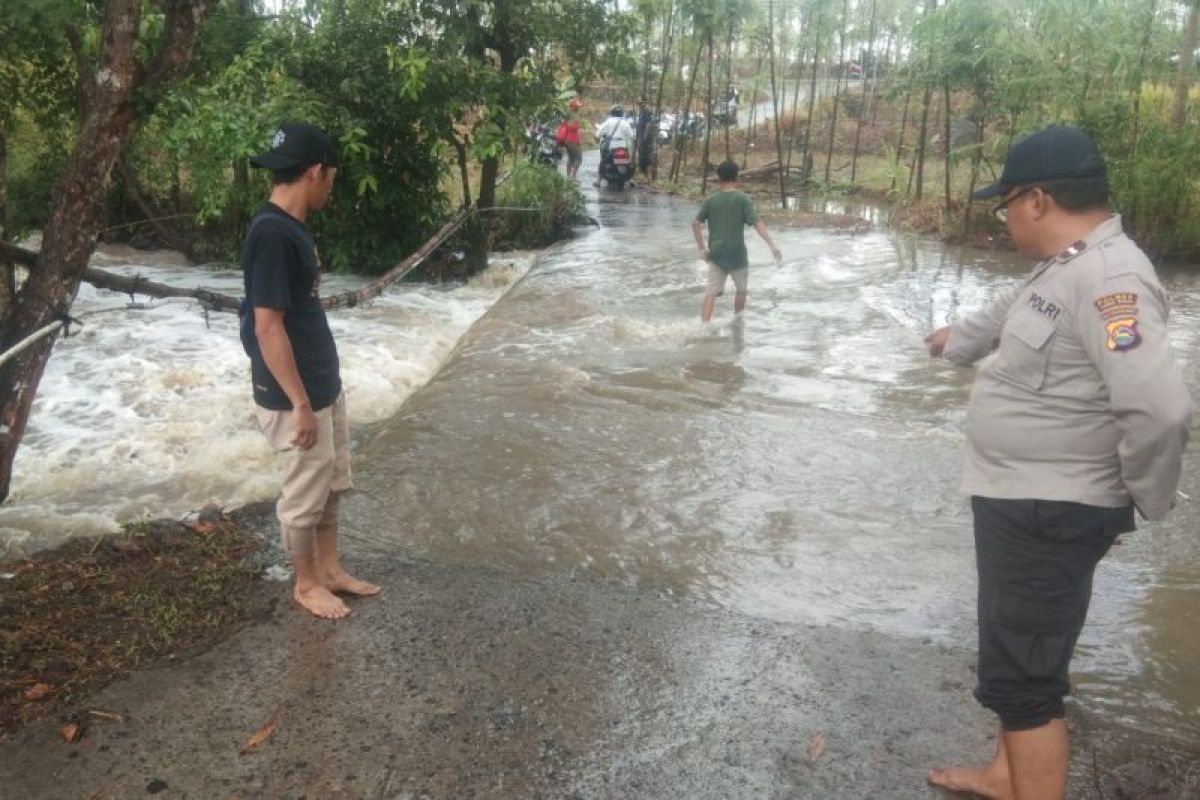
{"x": 75, "y": 618}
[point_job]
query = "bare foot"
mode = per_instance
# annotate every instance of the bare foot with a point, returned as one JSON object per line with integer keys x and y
{"x": 342, "y": 581}
{"x": 321, "y": 602}
{"x": 986, "y": 781}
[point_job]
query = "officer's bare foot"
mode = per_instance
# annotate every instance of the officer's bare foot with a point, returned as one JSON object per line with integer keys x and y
{"x": 991, "y": 781}
{"x": 321, "y": 602}
{"x": 342, "y": 581}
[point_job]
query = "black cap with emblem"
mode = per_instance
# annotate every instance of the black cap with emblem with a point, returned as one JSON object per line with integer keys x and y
{"x": 297, "y": 143}
{"x": 1055, "y": 153}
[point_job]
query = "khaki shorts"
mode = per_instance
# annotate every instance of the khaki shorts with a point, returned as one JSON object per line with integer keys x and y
{"x": 309, "y": 475}
{"x": 717, "y": 276}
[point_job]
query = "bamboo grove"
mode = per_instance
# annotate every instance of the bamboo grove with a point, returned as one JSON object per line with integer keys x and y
{"x": 916, "y": 103}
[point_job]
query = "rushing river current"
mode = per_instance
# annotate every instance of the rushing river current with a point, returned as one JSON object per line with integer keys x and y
{"x": 800, "y": 464}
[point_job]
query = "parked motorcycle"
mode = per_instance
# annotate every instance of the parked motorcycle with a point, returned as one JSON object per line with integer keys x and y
{"x": 725, "y": 114}
{"x": 541, "y": 146}
{"x": 616, "y": 167}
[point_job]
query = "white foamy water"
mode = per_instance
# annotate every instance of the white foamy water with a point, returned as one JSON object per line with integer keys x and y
{"x": 148, "y": 412}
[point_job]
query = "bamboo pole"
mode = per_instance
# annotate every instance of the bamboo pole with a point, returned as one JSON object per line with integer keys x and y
{"x": 837, "y": 91}
{"x": 775, "y": 98}
{"x": 662, "y": 79}
{"x": 868, "y": 87}
{"x": 708, "y": 110}
{"x": 683, "y": 124}
{"x": 752, "y": 129}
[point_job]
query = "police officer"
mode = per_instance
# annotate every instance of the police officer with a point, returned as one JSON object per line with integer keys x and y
{"x": 1078, "y": 416}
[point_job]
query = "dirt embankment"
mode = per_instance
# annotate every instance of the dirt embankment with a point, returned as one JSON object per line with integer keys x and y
{"x": 77, "y": 617}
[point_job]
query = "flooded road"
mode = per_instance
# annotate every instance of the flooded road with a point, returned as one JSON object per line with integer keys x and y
{"x": 799, "y": 465}
{"x": 583, "y": 436}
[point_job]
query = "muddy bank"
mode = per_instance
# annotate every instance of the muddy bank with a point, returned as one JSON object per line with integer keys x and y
{"x": 77, "y": 617}
{"x": 472, "y": 683}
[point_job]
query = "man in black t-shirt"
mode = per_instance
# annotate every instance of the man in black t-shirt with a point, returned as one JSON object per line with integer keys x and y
{"x": 294, "y": 365}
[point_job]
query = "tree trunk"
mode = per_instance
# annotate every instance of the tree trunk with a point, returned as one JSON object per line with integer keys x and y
{"x": 729, "y": 123}
{"x": 976, "y": 160}
{"x": 685, "y": 123}
{"x": 946, "y": 144}
{"x": 479, "y": 235}
{"x": 76, "y": 217}
{"x": 775, "y": 101}
{"x": 919, "y": 157}
{"x": 4, "y": 231}
{"x": 1131, "y": 210}
{"x": 216, "y": 301}
{"x": 709, "y": 111}
{"x": 7, "y": 270}
{"x": 900, "y": 139}
{"x": 153, "y": 214}
{"x": 752, "y": 124}
{"x": 868, "y": 87}
{"x": 837, "y": 90}
{"x": 662, "y": 80}
{"x": 922, "y": 136}
{"x": 892, "y": 44}
{"x": 812, "y": 101}
{"x": 646, "y": 59}
{"x": 1187, "y": 65}
{"x": 479, "y": 231}
{"x": 464, "y": 173}
{"x": 796, "y": 93}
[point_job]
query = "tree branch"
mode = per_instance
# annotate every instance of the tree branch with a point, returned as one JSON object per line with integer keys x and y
{"x": 223, "y": 302}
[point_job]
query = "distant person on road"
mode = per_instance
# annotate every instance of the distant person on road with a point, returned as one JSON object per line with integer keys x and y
{"x": 727, "y": 212}
{"x": 294, "y": 365}
{"x": 1078, "y": 417}
{"x": 568, "y": 137}
{"x": 615, "y": 132}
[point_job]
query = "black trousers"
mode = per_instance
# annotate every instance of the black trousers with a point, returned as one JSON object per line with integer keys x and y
{"x": 1036, "y": 559}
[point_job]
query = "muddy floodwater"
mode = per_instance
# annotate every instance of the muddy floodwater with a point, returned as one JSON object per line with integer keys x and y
{"x": 800, "y": 464}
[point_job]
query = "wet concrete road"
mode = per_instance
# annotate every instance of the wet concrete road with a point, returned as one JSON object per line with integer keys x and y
{"x": 470, "y": 683}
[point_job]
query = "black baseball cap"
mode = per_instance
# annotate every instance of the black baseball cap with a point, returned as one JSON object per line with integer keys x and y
{"x": 1056, "y": 153}
{"x": 297, "y": 143}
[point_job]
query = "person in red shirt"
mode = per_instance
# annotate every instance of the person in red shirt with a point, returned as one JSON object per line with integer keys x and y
{"x": 568, "y": 137}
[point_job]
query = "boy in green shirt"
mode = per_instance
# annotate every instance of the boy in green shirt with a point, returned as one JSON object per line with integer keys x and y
{"x": 727, "y": 212}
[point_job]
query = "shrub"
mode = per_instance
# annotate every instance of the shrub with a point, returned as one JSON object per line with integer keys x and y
{"x": 557, "y": 199}
{"x": 34, "y": 164}
{"x": 1154, "y": 187}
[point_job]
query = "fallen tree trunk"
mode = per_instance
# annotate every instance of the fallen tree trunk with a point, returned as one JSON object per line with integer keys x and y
{"x": 216, "y": 301}
{"x": 769, "y": 170}
{"x": 374, "y": 289}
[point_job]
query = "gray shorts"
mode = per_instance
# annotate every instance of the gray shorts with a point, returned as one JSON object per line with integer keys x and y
{"x": 717, "y": 276}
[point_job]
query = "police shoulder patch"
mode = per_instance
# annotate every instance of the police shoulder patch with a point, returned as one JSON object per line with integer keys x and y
{"x": 1117, "y": 304}
{"x": 1123, "y": 334}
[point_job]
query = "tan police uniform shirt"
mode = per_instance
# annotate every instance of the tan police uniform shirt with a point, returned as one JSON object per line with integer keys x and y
{"x": 1081, "y": 400}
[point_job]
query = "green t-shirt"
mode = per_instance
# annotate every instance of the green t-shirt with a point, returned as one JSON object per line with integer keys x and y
{"x": 727, "y": 215}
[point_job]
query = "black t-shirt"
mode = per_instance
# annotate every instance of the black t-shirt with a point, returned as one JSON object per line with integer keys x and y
{"x": 281, "y": 270}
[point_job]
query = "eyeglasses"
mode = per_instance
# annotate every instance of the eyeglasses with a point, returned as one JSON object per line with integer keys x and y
{"x": 1000, "y": 212}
